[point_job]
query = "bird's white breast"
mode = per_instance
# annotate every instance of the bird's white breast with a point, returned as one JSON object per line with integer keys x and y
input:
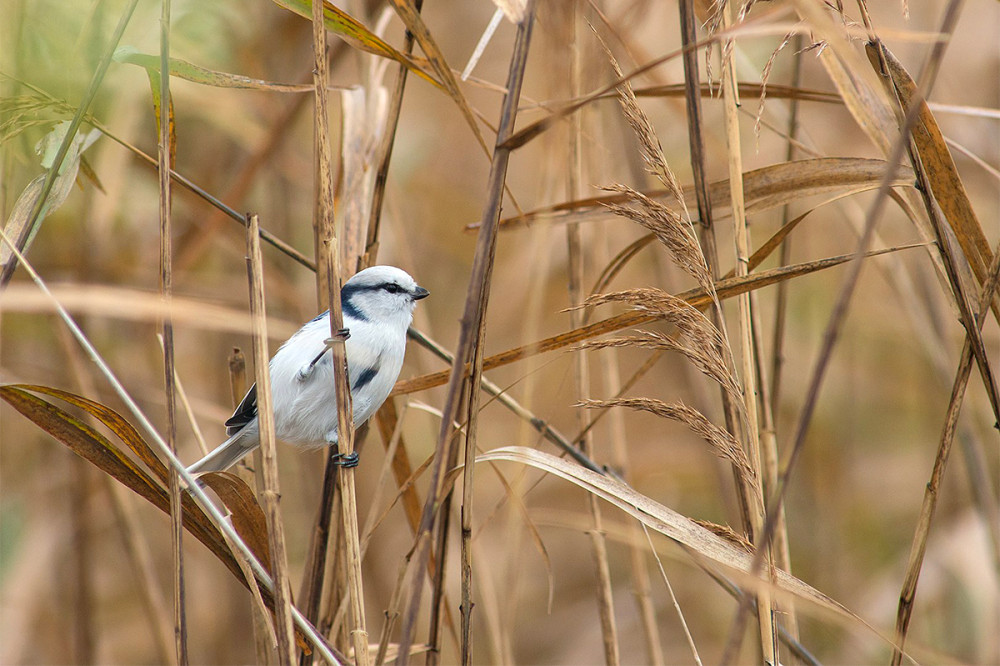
{"x": 306, "y": 410}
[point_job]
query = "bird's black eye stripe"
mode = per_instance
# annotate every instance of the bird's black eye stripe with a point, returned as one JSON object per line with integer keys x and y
{"x": 392, "y": 287}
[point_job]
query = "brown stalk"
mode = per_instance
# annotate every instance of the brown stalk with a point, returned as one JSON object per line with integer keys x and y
{"x": 930, "y": 172}
{"x": 574, "y": 246}
{"x": 270, "y": 495}
{"x": 165, "y": 154}
{"x": 323, "y": 229}
{"x": 751, "y": 443}
{"x": 467, "y": 350}
{"x": 922, "y": 532}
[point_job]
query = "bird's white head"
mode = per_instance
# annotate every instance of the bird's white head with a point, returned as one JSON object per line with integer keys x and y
{"x": 383, "y": 294}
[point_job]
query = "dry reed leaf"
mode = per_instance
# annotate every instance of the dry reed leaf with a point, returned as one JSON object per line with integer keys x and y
{"x": 764, "y": 189}
{"x": 722, "y": 443}
{"x": 247, "y": 516}
{"x": 704, "y": 545}
{"x": 942, "y": 174}
{"x": 670, "y": 229}
{"x": 106, "y": 456}
{"x": 725, "y": 288}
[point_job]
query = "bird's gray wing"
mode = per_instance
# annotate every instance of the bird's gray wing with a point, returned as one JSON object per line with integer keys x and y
{"x": 245, "y": 412}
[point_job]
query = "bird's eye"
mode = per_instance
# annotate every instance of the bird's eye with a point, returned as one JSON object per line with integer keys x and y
{"x": 392, "y": 288}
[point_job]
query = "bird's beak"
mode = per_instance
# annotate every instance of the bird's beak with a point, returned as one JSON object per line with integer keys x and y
{"x": 419, "y": 293}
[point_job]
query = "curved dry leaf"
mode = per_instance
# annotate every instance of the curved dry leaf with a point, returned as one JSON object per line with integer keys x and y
{"x": 942, "y": 174}
{"x": 103, "y": 454}
{"x": 247, "y": 516}
{"x": 763, "y": 189}
{"x": 707, "y": 547}
{"x": 86, "y": 442}
{"x": 113, "y": 420}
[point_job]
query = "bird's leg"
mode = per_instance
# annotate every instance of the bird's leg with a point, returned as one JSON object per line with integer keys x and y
{"x": 346, "y": 459}
{"x": 305, "y": 372}
{"x": 342, "y": 459}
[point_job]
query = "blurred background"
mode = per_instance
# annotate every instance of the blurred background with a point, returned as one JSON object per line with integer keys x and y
{"x": 71, "y": 590}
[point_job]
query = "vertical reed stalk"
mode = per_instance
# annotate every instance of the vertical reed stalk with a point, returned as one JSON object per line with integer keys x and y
{"x": 265, "y": 415}
{"x": 706, "y": 228}
{"x": 165, "y": 146}
{"x": 574, "y": 247}
{"x": 730, "y": 95}
{"x": 323, "y": 228}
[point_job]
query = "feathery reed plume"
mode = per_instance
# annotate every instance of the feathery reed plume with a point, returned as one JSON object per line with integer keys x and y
{"x": 669, "y": 229}
{"x": 720, "y": 442}
{"x": 699, "y": 340}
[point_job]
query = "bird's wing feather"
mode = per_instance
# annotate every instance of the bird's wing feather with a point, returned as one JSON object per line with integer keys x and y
{"x": 245, "y": 412}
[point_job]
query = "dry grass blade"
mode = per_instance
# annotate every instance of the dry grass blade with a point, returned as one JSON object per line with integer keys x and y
{"x": 725, "y": 288}
{"x": 721, "y": 442}
{"x": 764, "y": 189}
{"x": 702, "y": 544}
{"x": 942, "y": 174}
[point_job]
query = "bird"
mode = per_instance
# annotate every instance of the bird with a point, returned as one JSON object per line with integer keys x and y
{"x": 377, "y": 304}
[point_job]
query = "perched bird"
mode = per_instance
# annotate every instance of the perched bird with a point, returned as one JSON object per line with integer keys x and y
{"x": 378, "y": 305}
